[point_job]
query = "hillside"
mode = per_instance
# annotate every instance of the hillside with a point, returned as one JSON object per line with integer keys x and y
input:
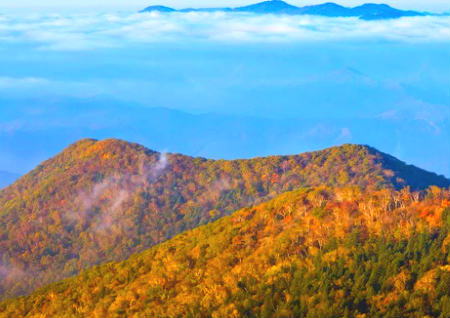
{"x": 318, "y": 252}
{"x": 101, "y": 201}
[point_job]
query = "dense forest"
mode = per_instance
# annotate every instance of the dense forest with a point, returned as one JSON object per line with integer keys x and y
{"x": 312, "y": 252}
{"x": 101, "y": 201}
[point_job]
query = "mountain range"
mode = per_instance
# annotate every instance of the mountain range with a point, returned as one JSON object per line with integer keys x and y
{"x": 101, "y": 201}
{"x": 421, "y": 140}
{"x": 368, "y": 11}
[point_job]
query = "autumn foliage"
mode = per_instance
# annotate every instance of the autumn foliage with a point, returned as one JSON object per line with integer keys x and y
{"x": 312, "y": 252}
{"x": 101, "y": 201}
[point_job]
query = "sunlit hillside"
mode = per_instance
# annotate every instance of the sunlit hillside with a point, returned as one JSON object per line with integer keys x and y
{"x": 100, "y": 201}
{"x": 317, "y": 252}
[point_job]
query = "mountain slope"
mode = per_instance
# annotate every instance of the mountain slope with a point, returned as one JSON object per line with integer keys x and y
{"x": 369, "y": 11}
{"x": 309, "y": 253}
{"x": 100, "y": 201}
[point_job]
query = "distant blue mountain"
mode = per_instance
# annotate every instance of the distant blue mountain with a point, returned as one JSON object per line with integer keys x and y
{"x": 273, "y": 6}
{"x": 371, "y": 11}
{"x": 328, "y": 9}
{"x": 158, "y": 8}
{"x": 215, "y": 135}
{"x": 368, "y": 11}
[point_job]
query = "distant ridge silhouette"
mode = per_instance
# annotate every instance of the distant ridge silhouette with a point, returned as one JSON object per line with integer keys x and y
{"x": 368, "y": 11}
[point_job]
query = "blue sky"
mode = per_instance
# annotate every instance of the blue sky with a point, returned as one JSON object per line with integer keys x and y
{"x": 223, "y": 85}
{"x": 432, "y": 5}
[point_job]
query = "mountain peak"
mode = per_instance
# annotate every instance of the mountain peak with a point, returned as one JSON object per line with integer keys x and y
{"x": 269, "y": 6}
{"x": 375, "y": 11}
{"x": 158, "y": 8}
{"x": 374, "y": 5}
{"x": 330, "y": 5}
{"x": 82, "y": 143}
{"x": 105, "y": 145}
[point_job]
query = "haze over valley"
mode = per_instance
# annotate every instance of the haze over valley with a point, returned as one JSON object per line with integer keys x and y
{"x": 224, "y": 159}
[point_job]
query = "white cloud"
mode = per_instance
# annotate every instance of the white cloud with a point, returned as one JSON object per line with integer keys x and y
{"x": 345, "y": 133}
{"x": 93, "y": 31}
{"x": 8, "y": 82}
{"x": 429, "y": 5}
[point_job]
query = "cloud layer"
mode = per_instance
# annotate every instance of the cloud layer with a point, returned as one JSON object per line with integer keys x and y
{"x": 93, "y": 31}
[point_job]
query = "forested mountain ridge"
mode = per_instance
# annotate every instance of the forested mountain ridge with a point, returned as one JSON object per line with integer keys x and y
{"x": 100, "y": 201}
{"x": 316, "y": 252}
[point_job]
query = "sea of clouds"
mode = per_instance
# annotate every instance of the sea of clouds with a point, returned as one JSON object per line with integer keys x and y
{"x": 62, "y": 72}
{"x": 81, "y": 31}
